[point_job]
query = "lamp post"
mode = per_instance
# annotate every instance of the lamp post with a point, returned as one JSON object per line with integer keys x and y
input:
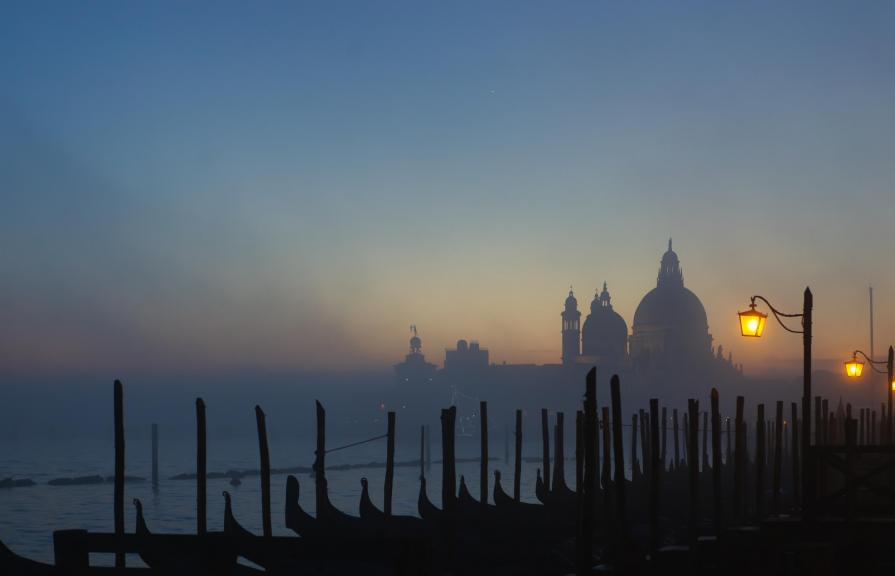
{"x": 854, "y": 368}
{"x": 752, "y": 323}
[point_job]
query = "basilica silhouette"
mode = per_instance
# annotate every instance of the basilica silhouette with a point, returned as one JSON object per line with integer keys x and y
{"x": 669, "y": 345}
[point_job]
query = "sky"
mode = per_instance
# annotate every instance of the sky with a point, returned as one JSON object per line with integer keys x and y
{"x": 212, "y": 187}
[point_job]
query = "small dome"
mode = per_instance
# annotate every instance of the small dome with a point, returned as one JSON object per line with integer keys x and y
{"x": 605, "y": 332}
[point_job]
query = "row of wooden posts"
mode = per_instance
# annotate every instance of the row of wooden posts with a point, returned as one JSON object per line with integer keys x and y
{"x": 593, "y": 435}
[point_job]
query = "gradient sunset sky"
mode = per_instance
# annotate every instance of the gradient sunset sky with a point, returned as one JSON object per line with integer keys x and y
{"x": 202, "y": 187}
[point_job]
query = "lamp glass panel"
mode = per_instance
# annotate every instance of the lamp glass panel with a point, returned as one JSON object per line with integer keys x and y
{"x": 854, "y": 369}
{"x": 752, "y": 323}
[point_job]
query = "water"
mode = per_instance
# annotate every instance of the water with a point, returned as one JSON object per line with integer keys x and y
{"x": 28, "y": 516}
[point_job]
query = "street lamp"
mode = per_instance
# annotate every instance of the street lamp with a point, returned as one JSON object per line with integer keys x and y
{"x": 752, "y": 324}
{"x": 752, "y": 321}
{"x": 854, "y": 368}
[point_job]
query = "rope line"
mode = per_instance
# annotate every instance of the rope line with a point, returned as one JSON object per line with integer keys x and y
{"x": 381, "y": 436}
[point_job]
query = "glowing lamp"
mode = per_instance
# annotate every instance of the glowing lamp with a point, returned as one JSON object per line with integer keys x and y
{"x": 893, "y": 385}
{"x": 752, "y": 322}
{"x": 853, "y": 368}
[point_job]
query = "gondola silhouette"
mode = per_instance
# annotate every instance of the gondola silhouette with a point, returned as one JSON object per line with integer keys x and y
{"x": 185, "y": 553}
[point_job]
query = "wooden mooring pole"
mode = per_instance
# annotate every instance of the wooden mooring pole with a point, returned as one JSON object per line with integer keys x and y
{"x": 705, "y": 443}
{"x": 796, "y": 468}
{"x": 201, "y": 470}
{"x": 654, "y": 468}
{"x": 119, "y": 468}
{"x": 693, "y": 473}
{"x": 606, "y": 476}
{"x": 266, "y": 528}
{"x": 428, "y": 448}
{"x": 155, "y": 456}
{"x": 664, "y": 437}
{"x": 449, "y": 471}
{"x": 579, "y": 451}
{"x": 619, "y": 451}
{"x": 545, "y": 437}
{"x": 644, "y": 442}
{"x": 716, "y": 463}
{"x": 559, "y": 453}
{"x": 760, "y": 447}
{"x": 483, "y": 465}
{"x": 677, "y": 453}
{"x": 635, "y": 467}
{"x": 739, "y": 468}
{"x": 320, "y": 461}
{"x": 587, "y": 437}
{"x": 517, "y": 472}
{"x": 389, "y": 465}
{"x": 778, "y": 457}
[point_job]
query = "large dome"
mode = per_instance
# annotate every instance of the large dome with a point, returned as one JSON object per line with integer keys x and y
{"x": 670, "y": 321}
{"x": 670, "y": 306}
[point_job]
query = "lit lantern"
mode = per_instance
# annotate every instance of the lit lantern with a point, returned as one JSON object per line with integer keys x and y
{"x": 854, "y": 368}
{"x": 752, "y": 322}
{"x": 893, "y": 385}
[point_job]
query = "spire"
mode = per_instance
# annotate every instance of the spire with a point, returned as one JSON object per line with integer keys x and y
{"x": 604, "y": 297}
{"x": 669, "y": 270}
{"x": 416, "y": 345}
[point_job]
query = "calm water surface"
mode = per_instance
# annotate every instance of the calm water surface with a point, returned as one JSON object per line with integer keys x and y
{"x": 28, "y": 516}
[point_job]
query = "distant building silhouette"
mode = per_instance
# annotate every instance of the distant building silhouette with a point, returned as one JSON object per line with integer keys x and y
{"x": 669, "y": 346}
{"x": 414, "y": 370}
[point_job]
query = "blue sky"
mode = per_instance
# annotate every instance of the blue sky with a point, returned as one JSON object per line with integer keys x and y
{"x": 214, "y": 186}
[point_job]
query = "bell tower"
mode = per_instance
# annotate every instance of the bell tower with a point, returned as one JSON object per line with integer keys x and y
{"x": 571, "y": 330}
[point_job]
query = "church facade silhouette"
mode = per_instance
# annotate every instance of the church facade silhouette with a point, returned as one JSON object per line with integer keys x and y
{"x": 669, "y": 344}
